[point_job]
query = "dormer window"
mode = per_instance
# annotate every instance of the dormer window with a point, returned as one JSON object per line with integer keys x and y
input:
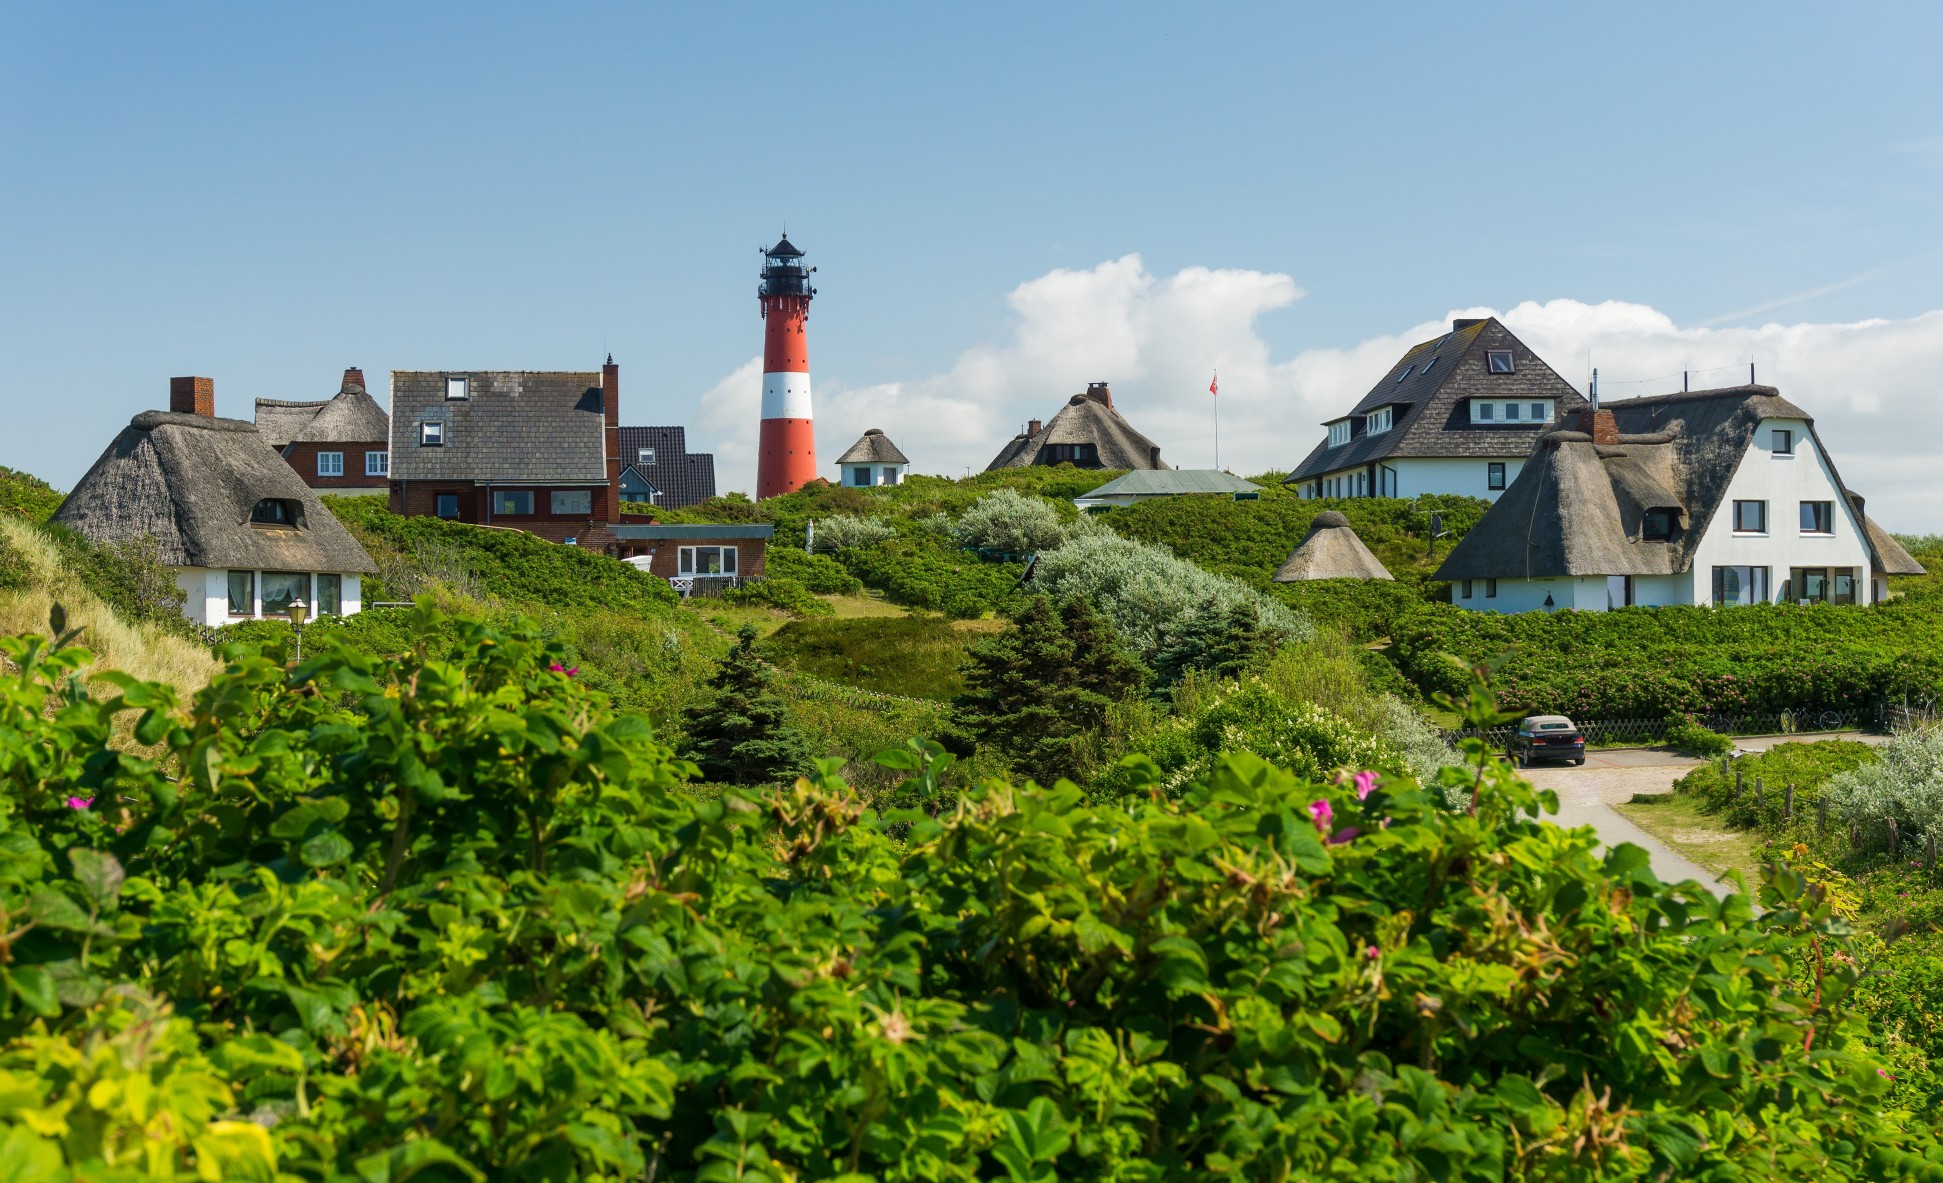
{"x": 644, "y": 455}
{"x": 1487, "y": 412}
{"x": 1498, "y": 361}
{"x": 1659, "y": 524}
{"x": 1339, "y": 433}
{"x": 274, "y": 511}
{"x": 1377, "y": 421}
{"x": 1511, "y": 410}
{"x": 457, "y": 388}
{"x": 1541, "y": 412}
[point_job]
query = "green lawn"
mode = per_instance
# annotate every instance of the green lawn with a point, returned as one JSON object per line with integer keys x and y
{"x": 1680, "y": 820}
{"x": 916, "y": 656}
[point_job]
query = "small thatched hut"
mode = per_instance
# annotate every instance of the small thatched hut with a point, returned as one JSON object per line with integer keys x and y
{"x": 1331, "y": 551}
{"x": 244, "y": 533}
{"x": 873, "y": 460}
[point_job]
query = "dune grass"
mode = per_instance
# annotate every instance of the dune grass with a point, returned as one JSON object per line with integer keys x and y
{"x": 916, "y": 656}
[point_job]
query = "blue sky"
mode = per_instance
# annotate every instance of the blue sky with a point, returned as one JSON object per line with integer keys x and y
{"x": 267, "y": 194}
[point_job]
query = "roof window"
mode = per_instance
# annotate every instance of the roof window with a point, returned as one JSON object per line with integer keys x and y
{"x": 1405, "y": 374}
{"x": 1498, "y": 361}
{"x": 431, "y": 435}
{"x": 457, "y": 387}
{"x": 1428, "y": 364}
{"x": 274, "y": 511}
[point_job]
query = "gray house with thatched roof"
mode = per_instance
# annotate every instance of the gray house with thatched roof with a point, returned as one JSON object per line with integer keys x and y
{"x": 873, "y": 460}
{"x": 340, "y": 444}
{"x": 1086, "y": 433}
{"x": 1711, "y": 497}
{"x": 1331, "y": 550}
{"x": 1456, "y": 414}
{"x": 243, "y": 533}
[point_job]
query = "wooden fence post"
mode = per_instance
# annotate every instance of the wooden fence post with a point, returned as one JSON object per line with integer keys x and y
{"x": 1929, "y": 851}
{"x": 1788, "y": 804}
{"x": 1821, "y": 813}
{"x": 1894, "y": 839}
{"x": 1759, "y": 803}
{"x": 1737, "y": 782}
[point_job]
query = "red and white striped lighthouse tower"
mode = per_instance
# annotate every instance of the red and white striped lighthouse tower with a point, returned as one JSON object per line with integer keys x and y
{"x": 786, "y": 452}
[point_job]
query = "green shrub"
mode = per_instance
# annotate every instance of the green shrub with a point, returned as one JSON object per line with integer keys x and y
{"x": 779, "y": 592}
{"x": 923, "y": 571}
{"x": 16, "y": 572}
{"x": 448, "y": 915}
{"x": 820, "y": 574}
{"x": 848, "y": 532}
{"x": 1903, "y": 782}
{"x": 28, "y": 496}
{"x": 1005, "y": 520}
{"x": 1809, "y": 767}
{"x": 1689, "y": 735}
{"x": 129, "y": 577}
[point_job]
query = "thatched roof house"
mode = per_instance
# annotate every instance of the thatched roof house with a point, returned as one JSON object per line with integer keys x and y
{"x": 1716, "y": 496}
{"x": 1086, "y": 433}
{"x": 244, "y": 533}
{"x": 1331, "y": 550}
{"x": 873, "y": 460}
{"x": 341, "y": 443}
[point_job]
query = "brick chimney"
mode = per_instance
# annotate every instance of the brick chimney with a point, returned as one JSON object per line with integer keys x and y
{"x": 610, "y": 401}
{"x": 353, "y": 377}
{"x": 1600, "y": 425}
{"x": 1032, "y": 427}
{"x": 1098, "y": 392}
{"x": 193, "y": 396}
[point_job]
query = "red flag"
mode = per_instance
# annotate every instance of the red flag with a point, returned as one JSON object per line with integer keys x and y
{"x": 1214, "y": 384}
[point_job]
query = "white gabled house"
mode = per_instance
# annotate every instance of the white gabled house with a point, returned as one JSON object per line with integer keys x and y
{"x": 873, "y": 460}
{"x": 1711, "y": 497}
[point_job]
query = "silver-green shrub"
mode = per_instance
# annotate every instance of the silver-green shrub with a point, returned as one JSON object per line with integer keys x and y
{"x": 844, "y": 531}
{"x": 1905, "y": 782}
{"x": 1005, "y": 520}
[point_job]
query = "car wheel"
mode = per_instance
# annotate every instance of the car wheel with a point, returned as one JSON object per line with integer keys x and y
{"x": 1524, "y": 760}
{"x": 1580, "y": 761}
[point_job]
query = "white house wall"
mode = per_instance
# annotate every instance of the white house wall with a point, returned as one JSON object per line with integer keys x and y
{"x": 206, "y": 594}
{"x": 1784, "y": 482}
{"x": 1417, "y": 476}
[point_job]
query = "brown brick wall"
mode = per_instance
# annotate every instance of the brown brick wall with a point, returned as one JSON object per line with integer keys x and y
{"x": 750, "y": 554}
{"x": 420, "y": 499}
{"x": 303, "y": 458}
{"x": 192, "y": 396}
{"x": 610, "y": 397}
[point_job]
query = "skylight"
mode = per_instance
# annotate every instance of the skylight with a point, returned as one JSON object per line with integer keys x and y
{"x": 1498, "y": 361}
{"x": 1428, "y": 364}
{"x": 1405, "y": 374}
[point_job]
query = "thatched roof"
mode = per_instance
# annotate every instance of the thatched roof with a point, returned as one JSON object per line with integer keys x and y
{"x": 352, "y": 416}
{"x": 1331, "y": 551}
{"x": 1890, "y": 557}
{"x": 1577, "y": 507}
{"x": 1429, "y": 392}
{"x": 191, "y": 482}
{"x": 874, "y": 448}
{"x": 1085, "y": 419}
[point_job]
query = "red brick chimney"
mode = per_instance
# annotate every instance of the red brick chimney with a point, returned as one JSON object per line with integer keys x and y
{"x": 1032, "y": 427}
{"x": 1600, "y": 425}
{"x": 193, "y": 396}
{"x": 1098, "y": 392}
{"x": 610, "y": 399}
{"x": 354, "y": 377}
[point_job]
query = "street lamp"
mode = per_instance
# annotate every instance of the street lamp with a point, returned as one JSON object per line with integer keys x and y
{"x": 298, "y": 611}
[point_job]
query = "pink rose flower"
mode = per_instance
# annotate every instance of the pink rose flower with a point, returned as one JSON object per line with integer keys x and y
{"x": 79, "y": 802}
{"x": 1372, "y": 952}
{"x": 1365, "y": 785}
{"x": 1322, "y": 814}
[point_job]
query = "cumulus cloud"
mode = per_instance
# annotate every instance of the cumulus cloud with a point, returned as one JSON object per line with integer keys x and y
{"x": 1872, "y": 385}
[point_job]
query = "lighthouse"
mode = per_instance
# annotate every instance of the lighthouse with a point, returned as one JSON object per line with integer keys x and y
{"x": 786, "y": 452}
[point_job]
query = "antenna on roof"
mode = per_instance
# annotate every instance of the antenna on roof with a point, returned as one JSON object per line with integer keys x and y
{"x": 1595, "y": 388}
{"x": 1750, "y": 373}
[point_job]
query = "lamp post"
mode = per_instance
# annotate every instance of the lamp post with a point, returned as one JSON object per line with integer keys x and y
{"x": 298, "y": 611}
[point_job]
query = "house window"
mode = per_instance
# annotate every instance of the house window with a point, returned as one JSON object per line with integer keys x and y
{"x": 1376, "y": 422}
{"x": 377, "y": 463}
{"x": 1511, "y": 411}
{"x": 274, "y": 511}
{"x": 1541, "y": 412}
{"x": 431, "y": 435}
{"x": 1807, "y": 585}
{"x": 1466, "y": 589}
{"x": 1818, "y": 517}
{"x": 1077, "y": 454}
{"x": 706, "y": 560}
{"x": 1339, "y": 434}
{"x": 1494, "y": 475}
{"x": 1740, "y": 585}
{"x": 330, "y": 464}
{"x": 456, "y": 388}
{"x": 1490, "y": 589}
{"x": 1498, "y": 361}
{"x": 577, "y": 502}
{"x": 242, "y": 593}
{"x": 513, "y": 502}
{"x": 891, "y": 476}
{"x": 1783, "y": 442}
{"x": 447, "y": 506}
{"x": 1658, "y": 524}
{"x": 1750, "y": 517}
{"x": 1487, "y": 411}
{"x": 281, "y": 587}
{"x": 644, "y": 455}
{"x": 860, "y": 475}
{"x": 330, "y": 595}
{"x": 1844, "y": 581}
{"x": 1619, "y": 591}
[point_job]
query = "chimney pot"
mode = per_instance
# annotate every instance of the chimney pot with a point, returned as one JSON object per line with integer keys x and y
{"x": 1098, "y": 392}
{"x": 1600, "y": 425}
{"x": 193, "y": 396}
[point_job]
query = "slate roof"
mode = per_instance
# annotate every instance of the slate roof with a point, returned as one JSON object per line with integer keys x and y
{"x": 1430, "y": 388}
{"x": 1331, "y": 550}
{"x": 682, "y": 477}
{"x": 537, "y": 427}
{"x": 874, "y": 447}
{"x": 1170, "y": 482}
{"x": 1085, "y": 419}
{"x": 190, "y": 482}
{"x": 1576, "y": 508}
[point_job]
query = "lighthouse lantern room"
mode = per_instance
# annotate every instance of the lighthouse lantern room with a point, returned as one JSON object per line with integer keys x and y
{"x": 786, "y": 452}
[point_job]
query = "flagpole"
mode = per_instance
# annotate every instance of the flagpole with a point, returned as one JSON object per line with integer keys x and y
{"x": 1214, "y": 388}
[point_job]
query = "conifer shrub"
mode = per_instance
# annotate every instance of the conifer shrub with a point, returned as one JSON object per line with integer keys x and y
{"x": 740, "y": 734}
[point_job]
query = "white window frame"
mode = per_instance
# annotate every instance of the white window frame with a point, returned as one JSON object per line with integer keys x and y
{"x": 431, "y": 434}
{"x": 458, "y": 388}
{"x": 644, "y": 455}
{"x": 1513, "y": 413}
{"x": 1484, "y": 412}
{"x": 1377, "y": 422}
{"x": 330, "y": 464}
{"x": 377, "y": 464}
{"x": 685, "y": 560}
{"x": 1493, "y": 356}
{"x": 1339, "y": 433}
{"x": 1541, "y": 412}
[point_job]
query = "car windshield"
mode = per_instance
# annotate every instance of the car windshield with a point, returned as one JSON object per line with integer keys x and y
{"x": 1555, "y": 727}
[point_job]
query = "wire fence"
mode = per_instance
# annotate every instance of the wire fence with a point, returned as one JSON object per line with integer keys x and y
{"x": 1640, "y": 732}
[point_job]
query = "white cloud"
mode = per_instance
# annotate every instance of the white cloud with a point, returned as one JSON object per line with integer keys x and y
{"x": 1874, "y": 386}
